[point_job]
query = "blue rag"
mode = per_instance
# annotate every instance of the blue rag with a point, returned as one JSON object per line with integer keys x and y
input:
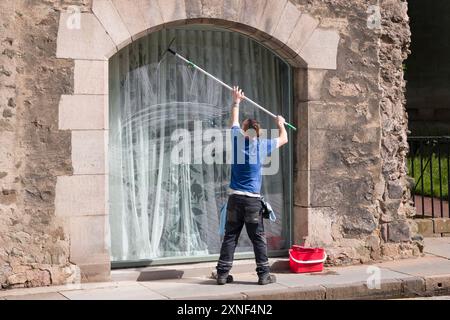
{"x": 223, "y": 219}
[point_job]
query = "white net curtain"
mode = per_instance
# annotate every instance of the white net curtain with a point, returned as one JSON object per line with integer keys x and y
{"x": 162, "y": 209}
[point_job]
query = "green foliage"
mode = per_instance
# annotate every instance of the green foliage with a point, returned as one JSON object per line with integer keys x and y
{"x": 426, "y": 175}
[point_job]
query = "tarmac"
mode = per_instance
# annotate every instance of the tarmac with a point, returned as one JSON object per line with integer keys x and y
{"x": 427, "y": 276}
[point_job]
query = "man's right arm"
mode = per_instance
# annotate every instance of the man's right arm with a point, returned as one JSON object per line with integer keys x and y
{"x": 238, "y": 95}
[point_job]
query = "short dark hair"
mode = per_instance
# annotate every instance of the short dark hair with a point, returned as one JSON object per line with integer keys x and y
{"x": 252, "y": 124}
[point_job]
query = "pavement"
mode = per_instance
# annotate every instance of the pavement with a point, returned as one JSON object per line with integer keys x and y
{"x": 424, "y": 277}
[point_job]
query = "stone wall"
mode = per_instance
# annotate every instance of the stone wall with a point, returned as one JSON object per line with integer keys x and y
{"x": 33, "y": 242}
{"x": 357, "y": 204}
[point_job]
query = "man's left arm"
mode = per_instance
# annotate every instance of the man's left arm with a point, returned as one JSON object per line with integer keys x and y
{"x": 283, "y": 136}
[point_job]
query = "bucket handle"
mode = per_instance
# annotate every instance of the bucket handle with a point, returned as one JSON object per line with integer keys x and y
{"x": 310, "y": 261}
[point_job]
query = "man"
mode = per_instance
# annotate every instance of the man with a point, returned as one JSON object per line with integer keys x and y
{"x": 244, "y": 204}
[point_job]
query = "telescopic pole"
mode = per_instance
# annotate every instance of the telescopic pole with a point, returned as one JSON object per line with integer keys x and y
{"x": 226, "y": 86}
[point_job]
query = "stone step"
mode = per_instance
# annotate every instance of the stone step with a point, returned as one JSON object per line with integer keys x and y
{"x": 192, "y": 270}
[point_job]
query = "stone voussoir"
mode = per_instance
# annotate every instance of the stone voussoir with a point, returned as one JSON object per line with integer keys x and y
{"x": 109, "y": 17}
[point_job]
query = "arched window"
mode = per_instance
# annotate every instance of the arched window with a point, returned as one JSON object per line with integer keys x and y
{"x": 160, "y": 208}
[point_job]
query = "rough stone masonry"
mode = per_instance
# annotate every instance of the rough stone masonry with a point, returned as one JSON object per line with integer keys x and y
{"x": 363, "y": 189}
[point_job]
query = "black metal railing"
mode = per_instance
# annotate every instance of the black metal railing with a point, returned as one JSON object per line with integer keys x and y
{"x": 429, "y": 165}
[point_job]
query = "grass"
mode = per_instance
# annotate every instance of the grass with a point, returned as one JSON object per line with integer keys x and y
{"x": 426, "y": 176}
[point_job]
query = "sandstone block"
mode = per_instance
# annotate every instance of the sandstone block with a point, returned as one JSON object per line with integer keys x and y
{"x": 91, "y": 77}
{"x": 324, "y": 42}
{"x": 89, "y": 152}
{"x": 88, "y": 243}
{"x": 81, "y": 195}
{"x": 88, "y": 40}
{"x": 425, "y": 227}
{"x": 441, "y": 225}
{"x": 83, "y": 112}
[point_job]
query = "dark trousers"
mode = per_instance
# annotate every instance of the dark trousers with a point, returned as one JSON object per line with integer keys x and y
{"x": 244, "y": 210}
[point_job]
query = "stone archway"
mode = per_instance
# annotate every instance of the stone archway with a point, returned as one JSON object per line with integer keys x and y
{"x": 82, "y": 198}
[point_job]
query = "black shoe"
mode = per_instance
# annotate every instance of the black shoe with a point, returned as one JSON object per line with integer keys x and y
{"x": 225, "y": 278}
{"x": 266, "y": 279}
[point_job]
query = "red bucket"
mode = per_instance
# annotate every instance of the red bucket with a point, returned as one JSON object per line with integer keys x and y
{"x": 302, "y": 259}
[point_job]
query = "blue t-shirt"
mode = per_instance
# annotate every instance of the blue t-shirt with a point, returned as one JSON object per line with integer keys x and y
{"x": 247, "y": 159}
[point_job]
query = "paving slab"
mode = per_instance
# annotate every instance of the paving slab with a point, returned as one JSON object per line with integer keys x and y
{"x": 337, "y": 276}
{"x": 198, "y": 287}
{"x": 360, "y": 290}
{"x": 421, "y": 267}
{"x": 39, "y": 290}
{"x": 39, "y": 296}
{"x": 60, "y": 288}
{"x": 128, "y": 292}
{"x": 438, "y": 246}
{"x": 306, "y": 293}
{"x": 428, "y": 298}
{"x": 203, "y": 269}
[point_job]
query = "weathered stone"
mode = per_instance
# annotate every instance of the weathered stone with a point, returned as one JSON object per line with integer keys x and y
{"x": 7, "y": 113}
{"x": 11, "y": 103}
{"x": 18, "y": 278}
{"x": 8, "y": 196}
{"x": 399, "y": 231}
{"x": 395, "y": 190}
{"x": 390, "y": 208}
{"x": 425, "y": 227}
{"x": 320, "y": 222}
{"x": 441, "y": 225}
{"x": 358, "y": 222}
